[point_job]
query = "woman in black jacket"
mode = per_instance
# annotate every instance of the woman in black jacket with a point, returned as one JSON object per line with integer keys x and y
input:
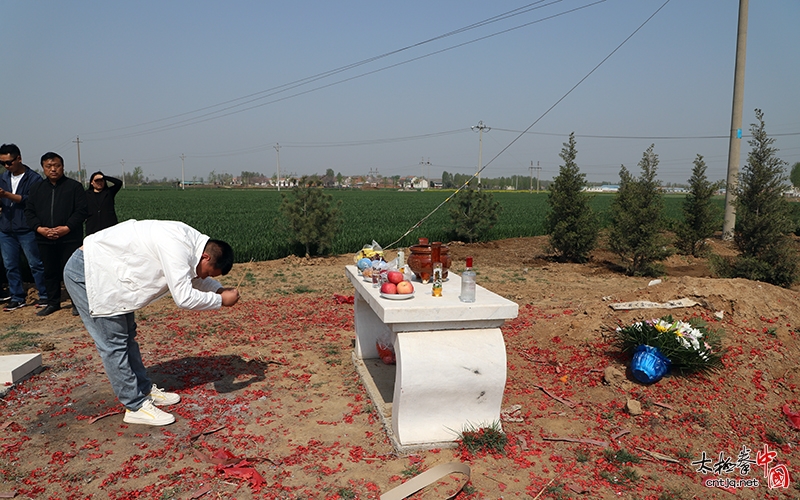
{"x": 100, "y": 198}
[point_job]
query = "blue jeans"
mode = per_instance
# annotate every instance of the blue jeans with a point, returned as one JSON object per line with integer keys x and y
{"x": 10, "y": 245}
{"x": 115, "y": 339}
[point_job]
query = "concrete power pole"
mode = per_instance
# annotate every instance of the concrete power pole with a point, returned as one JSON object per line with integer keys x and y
{"x": 277, "y": 147}
{"x": 538, "y": 176}
{"x": 123, "y": 173}
{"x": 183, "y": 176}
{"x": 480, "y": 127}
{"x": 530, "y": 172}
{"x": 736, "y": 124}
{"x": 423, "y": 163}
{"x": 80, "y": 172}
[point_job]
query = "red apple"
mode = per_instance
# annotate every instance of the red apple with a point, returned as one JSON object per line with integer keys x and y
{"x": 405, "y": 287}
{"x": 389, "y": 288}
{"x": 395, "y": 277}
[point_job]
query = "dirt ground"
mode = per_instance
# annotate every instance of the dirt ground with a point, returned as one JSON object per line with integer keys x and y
{"x": 273, "y": 407}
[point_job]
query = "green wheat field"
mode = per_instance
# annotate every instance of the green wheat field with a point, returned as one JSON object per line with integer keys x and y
{"x": 250, "y": 220}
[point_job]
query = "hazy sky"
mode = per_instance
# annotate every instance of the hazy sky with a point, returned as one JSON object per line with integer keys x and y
{"x": 357, "y": 86}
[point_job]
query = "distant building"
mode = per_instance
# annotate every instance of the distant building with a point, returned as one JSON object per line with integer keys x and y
{"x": 605, "y": 188}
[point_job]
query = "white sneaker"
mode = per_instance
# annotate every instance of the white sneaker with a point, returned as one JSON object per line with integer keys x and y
{"x": 148, "y": 414}
{"x": 162, "y": 398}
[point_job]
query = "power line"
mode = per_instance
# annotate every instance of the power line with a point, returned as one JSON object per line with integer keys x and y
{"x": 643, "y": 137}
{"x": 421, "y": 221}
{"x": 506, "y": 15}
{"x": 214, "y": 115}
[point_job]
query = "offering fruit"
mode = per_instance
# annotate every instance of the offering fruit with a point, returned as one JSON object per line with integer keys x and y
{"x": 405, "y": 287}
{"x": 389, "y": 288}
{"x": 395, "y": 277}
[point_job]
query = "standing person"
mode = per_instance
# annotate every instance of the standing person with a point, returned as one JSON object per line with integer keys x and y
{"x": 56, "y": 209}
{"x": 15, "y": 234}
{"x": 128, "y": 266}
{"x": 100, "y": 199}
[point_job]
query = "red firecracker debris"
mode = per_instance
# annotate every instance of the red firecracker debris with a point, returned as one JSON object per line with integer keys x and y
{"x": 341, "y": 299}
{"x": 793, "y": 416}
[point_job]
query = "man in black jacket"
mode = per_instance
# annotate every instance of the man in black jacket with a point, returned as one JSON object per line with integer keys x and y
{"x": 16, "y": 237}
{"x": 56, "y": 209}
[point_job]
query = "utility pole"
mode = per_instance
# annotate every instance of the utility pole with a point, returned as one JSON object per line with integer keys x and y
{"x": 736, "y": 123}
{"x": 123, "y": 173}
{"x": 530, "y": 172}
{"x": 277, "y": 147}
{"x": 183, "y": 176}
{"x": 480, "y": 127}
{"x": 80, "y": 173}
{"x": 422, "y": 171}
{"x": 538, "y": 175}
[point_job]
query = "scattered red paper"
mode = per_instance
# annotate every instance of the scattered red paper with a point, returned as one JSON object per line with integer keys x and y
{"x": 794, "y": 417}
{"x": 248, "y": 473}
{"x": 224, "y": 458}
{"x": 341, "y": 299}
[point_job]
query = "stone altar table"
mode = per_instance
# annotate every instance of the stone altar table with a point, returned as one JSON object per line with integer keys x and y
{"x": 451, "y": 359}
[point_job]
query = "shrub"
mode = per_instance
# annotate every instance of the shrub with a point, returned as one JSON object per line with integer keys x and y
{"x": 310, "y": 216}
{"x": 473, "y": 213}
{"x": 637, "y": 220}
{"x": 701, "y": 217}
{"x": 571, "y": 223}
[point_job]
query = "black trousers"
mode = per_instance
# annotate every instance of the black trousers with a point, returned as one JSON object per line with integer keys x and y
{"x": 54, "y": 257}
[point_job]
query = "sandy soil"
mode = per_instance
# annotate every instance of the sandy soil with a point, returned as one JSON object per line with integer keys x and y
{"x": 270, "y": 393}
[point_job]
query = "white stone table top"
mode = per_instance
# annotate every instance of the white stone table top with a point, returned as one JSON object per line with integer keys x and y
{"x": 425, "y": 311}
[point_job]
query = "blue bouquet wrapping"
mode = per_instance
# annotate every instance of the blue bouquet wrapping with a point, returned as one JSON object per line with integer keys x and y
{"x": 648, "y": 364}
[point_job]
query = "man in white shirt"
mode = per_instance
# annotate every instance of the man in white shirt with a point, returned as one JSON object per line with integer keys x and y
{"x": 126, "y": 267}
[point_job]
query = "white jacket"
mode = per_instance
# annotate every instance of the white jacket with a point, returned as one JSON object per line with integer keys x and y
{"x": 134, "y": 263}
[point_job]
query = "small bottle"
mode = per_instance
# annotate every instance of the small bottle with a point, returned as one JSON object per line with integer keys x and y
{"x": 401, "y": 261}
{"x": 468, "y": 283}
{"x": 437, "y": 279}
{"x": 376, "y": 273}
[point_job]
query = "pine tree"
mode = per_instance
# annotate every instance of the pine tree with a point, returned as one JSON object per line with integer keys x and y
{"x": 794, "y": 174}
{"x": 763, "y": 216}
{"x": 571, "y": 223}
{"x": 637, "y": 219}
{"x": 473, "y": 213}
{"x": 701, "y": 217}
{"x": 311, "y": 216}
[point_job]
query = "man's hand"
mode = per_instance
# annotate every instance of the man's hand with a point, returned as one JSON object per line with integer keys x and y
{"x": 53, "y": 233}
{"x": 15, "y": 198}
{"x": 230, "y": 296}
{"x": 47, "y": 232}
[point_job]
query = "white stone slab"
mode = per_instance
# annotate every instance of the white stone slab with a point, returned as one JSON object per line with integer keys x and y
{"x": 425, "y": 312}
{"x": 15, "y": 367}
{"x": 447, "y": 381}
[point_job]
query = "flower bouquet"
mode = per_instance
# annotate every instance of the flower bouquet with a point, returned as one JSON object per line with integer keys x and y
{"x": 659, "y": 345}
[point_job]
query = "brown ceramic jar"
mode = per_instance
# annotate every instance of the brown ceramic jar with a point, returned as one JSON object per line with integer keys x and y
{"x": 420, "y": 260}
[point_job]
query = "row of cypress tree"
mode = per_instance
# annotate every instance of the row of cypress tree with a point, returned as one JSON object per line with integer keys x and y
{"x": 637, "y": 234}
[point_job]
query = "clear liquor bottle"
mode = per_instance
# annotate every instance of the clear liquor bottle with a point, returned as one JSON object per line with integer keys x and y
{"x": 468, "y": 283}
